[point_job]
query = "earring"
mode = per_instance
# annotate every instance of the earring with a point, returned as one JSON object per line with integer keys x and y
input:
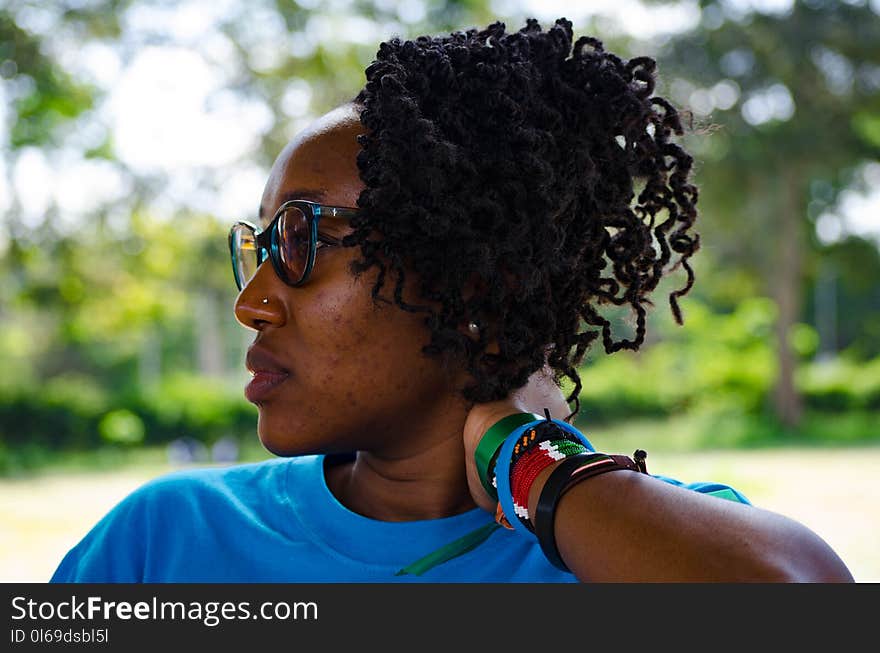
{"x": 474, "y": 328}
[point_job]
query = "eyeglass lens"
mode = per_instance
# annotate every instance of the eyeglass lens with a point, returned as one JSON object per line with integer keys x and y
{"x": 292, "y": 236}
{"x": 293, "y": 242}
{"x": 244, "y": 254}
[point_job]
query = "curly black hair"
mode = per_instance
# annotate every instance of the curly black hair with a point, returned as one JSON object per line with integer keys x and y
{"x": 501, "y": 168}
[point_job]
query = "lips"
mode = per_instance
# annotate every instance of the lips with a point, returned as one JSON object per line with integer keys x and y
{"x": 268, "y": 374}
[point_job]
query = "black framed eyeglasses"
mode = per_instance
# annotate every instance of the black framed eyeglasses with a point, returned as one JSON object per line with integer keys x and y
{"x": 291, "y": 242}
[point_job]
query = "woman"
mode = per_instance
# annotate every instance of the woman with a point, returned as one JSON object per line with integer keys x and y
{"x": 434, "y": 247}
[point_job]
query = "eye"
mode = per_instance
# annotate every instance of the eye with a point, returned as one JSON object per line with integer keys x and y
{"x": 294, "y": 231}
{"x": 326, "y": 239}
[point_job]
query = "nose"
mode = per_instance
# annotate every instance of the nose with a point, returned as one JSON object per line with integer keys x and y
{"x": 259, "y": 304}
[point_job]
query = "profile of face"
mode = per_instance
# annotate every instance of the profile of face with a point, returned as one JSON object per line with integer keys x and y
{"x": 353, "y": 376}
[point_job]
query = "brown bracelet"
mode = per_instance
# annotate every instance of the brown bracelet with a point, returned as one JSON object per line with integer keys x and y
{"x": 571, "y": 471}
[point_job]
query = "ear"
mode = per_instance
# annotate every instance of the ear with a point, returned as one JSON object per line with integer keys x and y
{"x": 476, "y": 325}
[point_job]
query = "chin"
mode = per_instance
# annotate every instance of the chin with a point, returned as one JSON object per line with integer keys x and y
{"x": 276, "y": 440}
{"x": 277, "y": 444}
{"x": 294, "y": 440}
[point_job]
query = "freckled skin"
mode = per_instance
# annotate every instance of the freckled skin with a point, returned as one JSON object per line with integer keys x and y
{"x": 359, "y": 381}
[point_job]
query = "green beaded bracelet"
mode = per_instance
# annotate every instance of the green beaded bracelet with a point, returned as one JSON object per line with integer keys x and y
{"x": 492, "y": 441}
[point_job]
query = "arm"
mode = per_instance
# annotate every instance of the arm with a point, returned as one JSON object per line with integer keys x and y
{"x": 623, "y": 526}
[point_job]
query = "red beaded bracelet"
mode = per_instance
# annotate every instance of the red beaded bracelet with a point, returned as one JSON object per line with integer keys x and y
{"x": 530, "y": 465}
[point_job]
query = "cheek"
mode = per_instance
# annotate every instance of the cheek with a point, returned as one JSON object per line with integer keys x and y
{"x": 380, "y": 348}
{"x": 339, "y": 330}
{"x": 366, "y": 357}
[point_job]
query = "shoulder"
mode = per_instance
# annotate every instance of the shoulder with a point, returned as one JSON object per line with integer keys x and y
{"x": 201, "y": 486}
{"x": 174, "y": 508}
{"x": 212, "y": 480}
{"x": 199, "y": 493}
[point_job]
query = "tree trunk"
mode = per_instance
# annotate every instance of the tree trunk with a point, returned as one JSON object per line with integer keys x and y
{"x": 826, "y": 311}
{"x": 787, "y": 293}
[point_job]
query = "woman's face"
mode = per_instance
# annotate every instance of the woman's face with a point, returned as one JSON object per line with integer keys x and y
{"x": 354, "y": 376}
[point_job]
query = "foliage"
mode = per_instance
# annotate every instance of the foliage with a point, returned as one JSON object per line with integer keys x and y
{"x": 732, "y": 430}
{"x": 721, "y": 364}
{"x": 842, "y": 384}
{"x": 46, "y": 96}
{"x": 788, "y": 90}
{"x": 73, "y": 414}
{"x": 121, "y": 426}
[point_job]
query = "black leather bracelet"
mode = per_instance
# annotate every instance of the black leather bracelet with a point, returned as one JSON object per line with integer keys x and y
{"x": 569, "y": 472}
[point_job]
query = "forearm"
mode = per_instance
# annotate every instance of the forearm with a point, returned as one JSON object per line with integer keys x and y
{"x": 624, "y": 526}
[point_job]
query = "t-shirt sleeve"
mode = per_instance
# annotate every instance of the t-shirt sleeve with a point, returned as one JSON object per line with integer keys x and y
{"x": 719, "y": 490}
{"x": 113, "y": 550}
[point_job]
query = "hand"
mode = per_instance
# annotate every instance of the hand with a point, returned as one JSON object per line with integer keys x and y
{"x": 538, "y": 393}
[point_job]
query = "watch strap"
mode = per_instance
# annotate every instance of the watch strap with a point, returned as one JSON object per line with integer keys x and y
{"x": 568, "y": 473}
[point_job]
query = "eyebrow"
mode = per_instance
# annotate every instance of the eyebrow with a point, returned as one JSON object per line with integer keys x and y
{"x": 311, "y": 194}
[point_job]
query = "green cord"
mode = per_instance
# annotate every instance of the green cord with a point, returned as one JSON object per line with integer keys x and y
{"x": 449, "y": 551}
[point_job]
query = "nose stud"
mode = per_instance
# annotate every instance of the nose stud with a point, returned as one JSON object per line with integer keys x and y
{"x": 265, "y": 300}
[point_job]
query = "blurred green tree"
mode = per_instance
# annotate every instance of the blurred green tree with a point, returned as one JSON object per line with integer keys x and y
{"x": 793, "y": 100}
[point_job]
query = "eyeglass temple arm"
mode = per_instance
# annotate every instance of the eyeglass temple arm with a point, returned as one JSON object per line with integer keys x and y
{"x": 337, "y": 211}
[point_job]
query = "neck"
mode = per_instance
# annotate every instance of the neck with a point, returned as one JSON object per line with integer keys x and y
{"x": 421, "y": 478}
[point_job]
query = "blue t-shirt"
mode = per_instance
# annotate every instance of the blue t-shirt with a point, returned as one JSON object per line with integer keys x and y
{"x": 277, "y": 521}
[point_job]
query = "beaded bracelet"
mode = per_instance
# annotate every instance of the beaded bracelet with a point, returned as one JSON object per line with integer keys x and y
{"x": 570, "y": 472}
{"x": 534, "y": 434}
{"x": 502, "y": 473}
{"x": 530, "y": 465}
